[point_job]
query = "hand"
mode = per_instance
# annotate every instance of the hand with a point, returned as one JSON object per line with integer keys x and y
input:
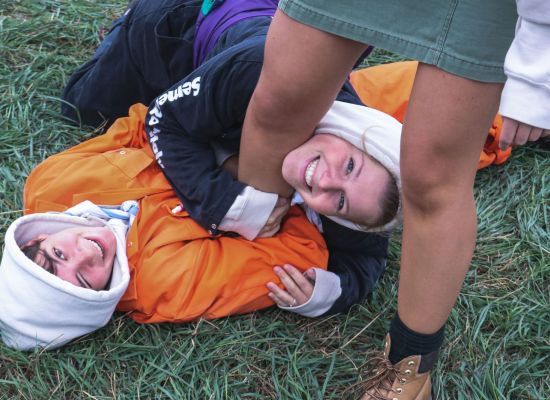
{"x": 299, "y": 287}
{"x": 273, "y": 223}
{"x": 517, "y": 133}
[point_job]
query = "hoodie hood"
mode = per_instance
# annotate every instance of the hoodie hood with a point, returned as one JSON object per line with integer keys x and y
{"x": 38, "y": 309}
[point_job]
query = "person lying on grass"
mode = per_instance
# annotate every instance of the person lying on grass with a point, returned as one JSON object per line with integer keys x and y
{"x": 64, "y": 273}
{"x": 194, "y": 126}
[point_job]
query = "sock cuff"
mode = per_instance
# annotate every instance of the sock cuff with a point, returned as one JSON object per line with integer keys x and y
{"x": 405, "y": 342}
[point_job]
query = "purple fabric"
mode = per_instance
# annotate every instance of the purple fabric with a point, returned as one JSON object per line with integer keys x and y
{"x": 210, "y": 27}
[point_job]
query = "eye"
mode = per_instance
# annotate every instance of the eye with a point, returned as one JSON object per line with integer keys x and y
{"x": 350, "y": 166}
{"x": 341, "y": 202}
{"x": 59, "y": 253}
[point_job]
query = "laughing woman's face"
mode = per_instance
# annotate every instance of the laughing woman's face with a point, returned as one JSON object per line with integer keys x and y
{"x": 83, "y": 256}
{"x": 335, "y": 178}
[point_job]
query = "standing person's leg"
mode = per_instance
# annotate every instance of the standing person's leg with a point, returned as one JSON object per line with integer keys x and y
{"x": 444, "y": 131}
{"x": 443, "y": 134}
{"x": 303, "y": 88}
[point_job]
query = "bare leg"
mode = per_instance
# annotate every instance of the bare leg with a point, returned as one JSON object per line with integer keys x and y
{"x": 303, "y": 71}
{"x": 444, "y": 130}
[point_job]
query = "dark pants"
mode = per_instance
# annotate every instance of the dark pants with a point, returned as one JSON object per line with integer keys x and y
{"x": 147, "y": 50}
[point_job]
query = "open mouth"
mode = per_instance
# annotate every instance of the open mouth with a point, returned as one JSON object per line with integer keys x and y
{"x": 98, "y": 246}
{"x": 310, "y": 170}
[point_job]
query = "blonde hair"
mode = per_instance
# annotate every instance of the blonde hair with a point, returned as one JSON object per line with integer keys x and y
{"x": 389, "y": 203}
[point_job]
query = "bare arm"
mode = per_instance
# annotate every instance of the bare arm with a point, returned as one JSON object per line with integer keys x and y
{"x": 303, "y": 70}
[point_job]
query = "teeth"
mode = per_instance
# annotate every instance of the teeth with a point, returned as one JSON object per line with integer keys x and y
{"x": 310, "y": 170}
{"x": 97, "y": 246}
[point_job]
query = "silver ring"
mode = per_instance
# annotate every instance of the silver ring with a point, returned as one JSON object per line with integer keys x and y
{"x": 293, "y": 302}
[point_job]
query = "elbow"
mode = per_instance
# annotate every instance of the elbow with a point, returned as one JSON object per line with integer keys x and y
{"x": 276, "y": 108}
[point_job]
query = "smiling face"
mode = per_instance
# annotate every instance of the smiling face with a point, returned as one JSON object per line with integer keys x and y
{"x": 83, "y": 256}
{"x": 335, "y": 178}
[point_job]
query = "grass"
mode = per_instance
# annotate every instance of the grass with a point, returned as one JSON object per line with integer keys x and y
{"x": 497, "y": 337}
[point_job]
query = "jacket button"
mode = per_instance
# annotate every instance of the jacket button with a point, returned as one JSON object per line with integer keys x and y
{"x": 213, "y": 226}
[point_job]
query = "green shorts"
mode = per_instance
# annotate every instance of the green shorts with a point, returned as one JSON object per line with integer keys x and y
{"x": 468, "y": 38}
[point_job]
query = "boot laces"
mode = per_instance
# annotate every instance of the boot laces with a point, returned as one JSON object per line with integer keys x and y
{"x": 385, "y": 374}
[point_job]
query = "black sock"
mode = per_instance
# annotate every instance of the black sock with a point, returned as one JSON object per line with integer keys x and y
{"x": 406, "y": 342}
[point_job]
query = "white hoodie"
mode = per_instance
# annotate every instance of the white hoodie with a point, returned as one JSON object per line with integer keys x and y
{"x": 38, "y": 309}
{"x": 526, "y": 94}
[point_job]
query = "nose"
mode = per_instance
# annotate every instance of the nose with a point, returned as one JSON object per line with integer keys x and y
{"x": 80, "y": 255}
{"x": 79, "y": 260}
{"x": 327, "y": 180}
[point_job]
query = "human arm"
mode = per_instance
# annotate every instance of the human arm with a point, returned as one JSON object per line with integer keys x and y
{"x": 209, "y": 104}
{"x": 356, "y": 262}
{"x": 525, "y": 100}
{"x": 273, "y": 223}
{"x": 291, "y": 97}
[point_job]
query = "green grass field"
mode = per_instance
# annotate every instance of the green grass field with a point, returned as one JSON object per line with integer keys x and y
{"x": 498, "y": 335}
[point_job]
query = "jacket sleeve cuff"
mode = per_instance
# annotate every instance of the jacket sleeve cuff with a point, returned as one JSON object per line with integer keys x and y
{"x": 526, "y": 94}
{"x": 523, "y": 101}
{"x": 326, "y": 291}
{"x": 249, "y": 212}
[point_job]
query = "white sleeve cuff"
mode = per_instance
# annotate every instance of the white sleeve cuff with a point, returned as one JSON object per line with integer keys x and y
{"x": 326, "y": 291}
{"x": 526, "y": 94}
{"x": 526, "y": 103}
{"x": 249, "y": 212}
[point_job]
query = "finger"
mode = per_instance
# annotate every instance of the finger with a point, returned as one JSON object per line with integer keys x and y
{"x": 268, "y": 232}
{"x": 522, "y": 134}
{"x": 509, "y": 128}
{"x": 281, "y": 201}
{"x": 280, "y": 212}
{"x": 276, "y": 217}
{"x": 270, "y": 224}
{"x": 301, "y": 281}
{"x": 290, "y": 285}
{"x": 280, "y": 296}
{"x": 278, "y": 300}
{"x": 279, "y": 209}
{"x": 310, "y": 274}
{"x": 535, "y": 134}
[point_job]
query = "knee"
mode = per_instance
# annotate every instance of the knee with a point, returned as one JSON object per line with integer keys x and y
{"x": 428, "y": 187}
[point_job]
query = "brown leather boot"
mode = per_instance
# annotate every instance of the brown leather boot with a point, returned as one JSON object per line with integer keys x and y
{"x": 409, "y": 379}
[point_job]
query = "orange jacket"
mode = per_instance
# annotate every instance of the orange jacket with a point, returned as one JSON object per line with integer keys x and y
{"x": 388, "y": 87}
{"x": 178, "y": 272}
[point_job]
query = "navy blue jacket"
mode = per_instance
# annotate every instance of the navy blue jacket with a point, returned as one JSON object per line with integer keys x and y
{"x": 210, "y": 104}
